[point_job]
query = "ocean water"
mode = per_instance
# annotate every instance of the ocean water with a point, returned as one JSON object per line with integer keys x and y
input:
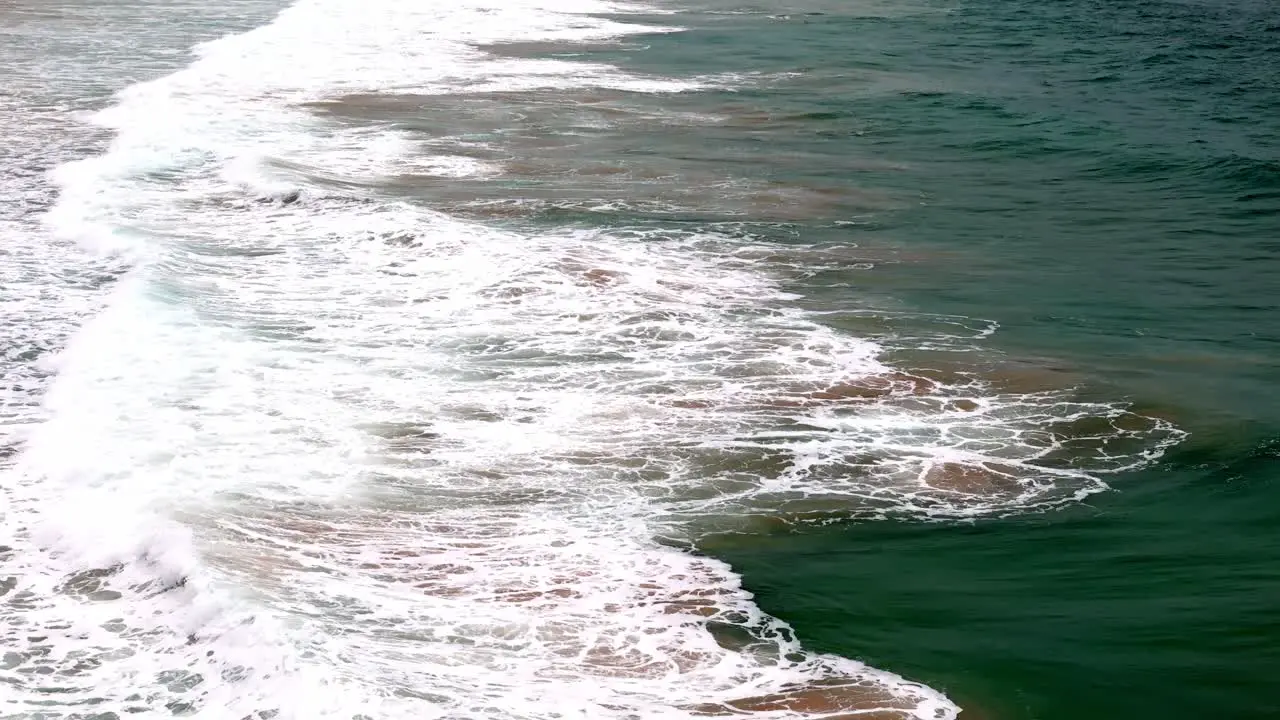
{"x": 617, "y": 360}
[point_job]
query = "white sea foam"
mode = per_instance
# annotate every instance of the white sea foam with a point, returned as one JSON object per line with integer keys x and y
{"x": 332, "y": 456}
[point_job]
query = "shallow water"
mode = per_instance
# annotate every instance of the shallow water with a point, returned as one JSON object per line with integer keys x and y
{"x": 429, "y": 355}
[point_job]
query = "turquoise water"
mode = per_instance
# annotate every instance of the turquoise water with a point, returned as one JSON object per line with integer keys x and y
{"x": 1102, "y": 179}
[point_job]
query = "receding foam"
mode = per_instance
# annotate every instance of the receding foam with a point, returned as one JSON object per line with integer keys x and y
{"x": 337, "y": 456}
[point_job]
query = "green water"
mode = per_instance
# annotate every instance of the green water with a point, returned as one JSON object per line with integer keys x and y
{"x": 1103, "y": 180}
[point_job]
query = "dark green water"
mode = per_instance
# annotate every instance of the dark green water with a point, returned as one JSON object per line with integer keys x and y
{"x": 1102, "y": 179}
